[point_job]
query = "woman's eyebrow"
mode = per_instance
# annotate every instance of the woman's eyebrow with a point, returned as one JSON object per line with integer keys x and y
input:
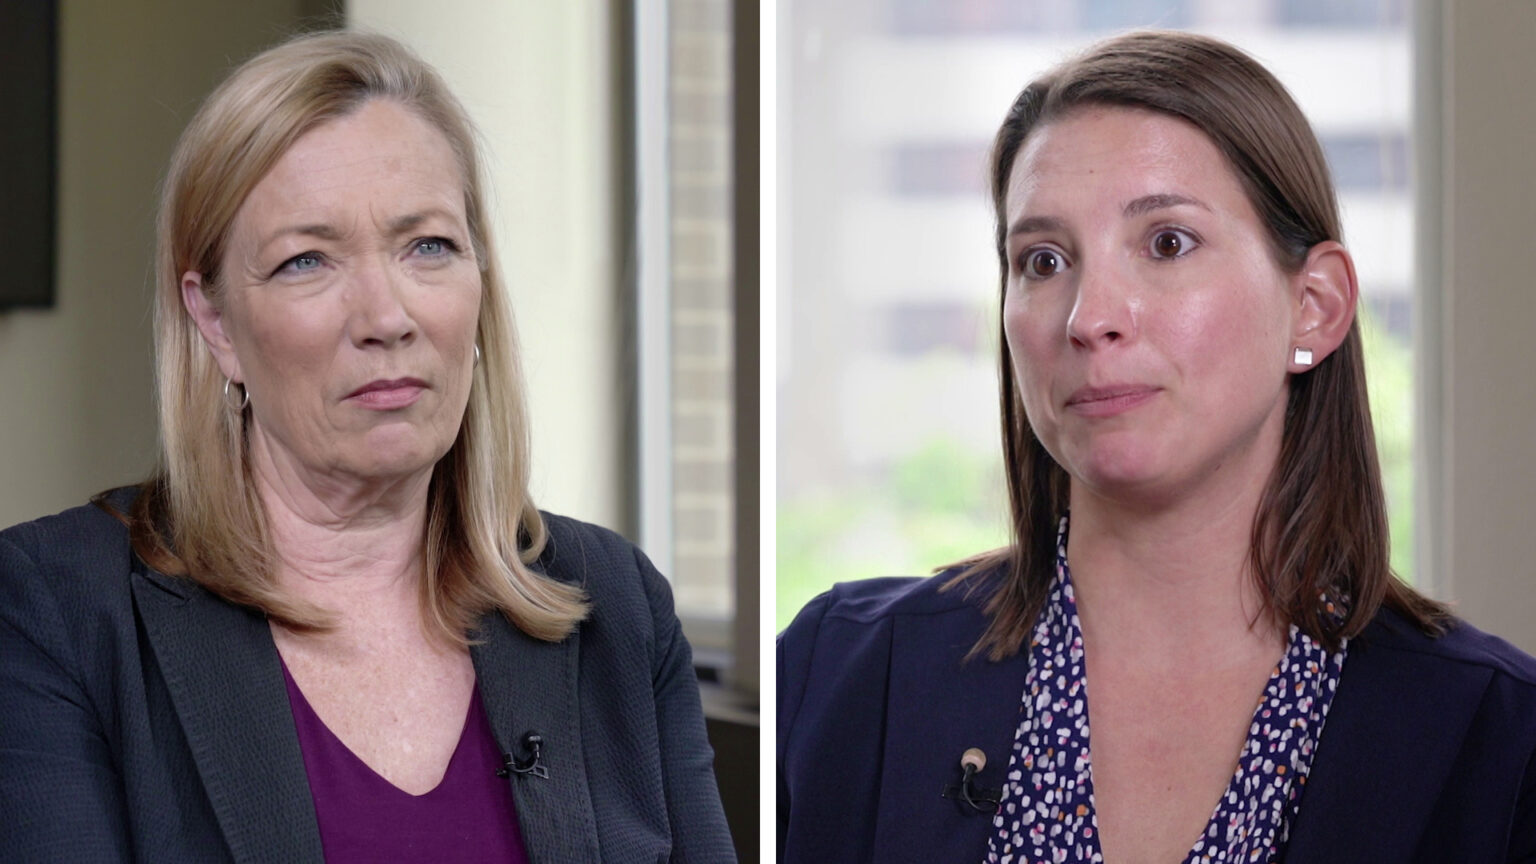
{"x": 1162, "y": 201}
{"x": 1036, "y": 225}
{"x": 411, "y": 221}
{"x": 319, "y": 231}
{"x": 1137, "y": 207}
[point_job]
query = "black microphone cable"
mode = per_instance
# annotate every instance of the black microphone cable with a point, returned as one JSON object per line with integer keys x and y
{"x": 973, "y": 760}
{"x": 512, "y": 765}
{"x": 978, "y": 798}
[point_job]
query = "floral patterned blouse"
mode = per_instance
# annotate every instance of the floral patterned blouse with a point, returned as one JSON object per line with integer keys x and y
{"x": 1047, "y": 810}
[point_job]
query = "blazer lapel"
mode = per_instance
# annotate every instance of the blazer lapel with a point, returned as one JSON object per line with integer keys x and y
{"x": 1392, "y": 736}
{"x": 940, "y": 705}
{"x": 529, "y": 686}
{"x": 226, "y": 686}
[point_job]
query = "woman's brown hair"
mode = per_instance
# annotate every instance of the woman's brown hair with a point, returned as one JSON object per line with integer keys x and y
{"x": 199, "y": 516}
{"x": 1321, "y": 524}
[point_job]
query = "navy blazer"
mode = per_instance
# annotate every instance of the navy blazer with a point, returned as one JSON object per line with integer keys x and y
{"x": 142, "y": 718}
{"x": 1427, "y": 755}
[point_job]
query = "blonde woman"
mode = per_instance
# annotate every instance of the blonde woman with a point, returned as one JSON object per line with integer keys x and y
{"x": 333, "y": 626}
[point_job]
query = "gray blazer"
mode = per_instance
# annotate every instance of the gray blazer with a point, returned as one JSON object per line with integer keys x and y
{"x": 142, "y": 718}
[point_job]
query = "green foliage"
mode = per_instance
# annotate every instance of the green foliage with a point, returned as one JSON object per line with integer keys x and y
{"x": 1389, "y": 371}
{"x": 936, "y": 506}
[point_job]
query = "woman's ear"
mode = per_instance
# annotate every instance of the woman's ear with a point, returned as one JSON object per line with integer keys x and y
{"x": 1327, "y": 293}
{"x": 210, "y": 322}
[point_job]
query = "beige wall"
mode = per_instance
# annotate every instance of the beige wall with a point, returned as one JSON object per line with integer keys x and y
{"x": 75, "y": 379}
{"x": 1484, "y": 364}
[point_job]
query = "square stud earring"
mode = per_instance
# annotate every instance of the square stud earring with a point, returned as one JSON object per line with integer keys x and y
{"x": 1303, "y": 356}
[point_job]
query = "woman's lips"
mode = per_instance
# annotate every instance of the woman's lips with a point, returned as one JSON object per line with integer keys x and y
{"x": 1109, "y": 401}
{"x": 389, "y": 395}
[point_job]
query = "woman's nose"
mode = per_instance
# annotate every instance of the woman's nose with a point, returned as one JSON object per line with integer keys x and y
{"x": 1102, "y": 313}
{"x": 379, "y": 313}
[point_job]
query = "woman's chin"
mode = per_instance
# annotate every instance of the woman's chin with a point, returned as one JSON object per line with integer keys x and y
{"x": 395, "y": 458}
{"x": 1122, "y": 475}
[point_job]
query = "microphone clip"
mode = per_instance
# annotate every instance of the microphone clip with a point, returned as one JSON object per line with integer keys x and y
{"x": 529, "y": 765}
{"x": 978, "y": 798}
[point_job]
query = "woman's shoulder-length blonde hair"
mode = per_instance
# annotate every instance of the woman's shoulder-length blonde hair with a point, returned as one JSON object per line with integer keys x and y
{"x": 1321, "y": 525}
{"x": 199, "y": 515}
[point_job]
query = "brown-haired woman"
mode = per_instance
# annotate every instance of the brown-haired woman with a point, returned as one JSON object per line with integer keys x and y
{"x": 1185, "y": 422}
{"x": 333, "y": 625}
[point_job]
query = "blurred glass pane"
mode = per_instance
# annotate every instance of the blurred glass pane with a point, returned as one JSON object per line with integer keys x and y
{"x": 1364, "y": 14}
{"x": 699, "y": 141}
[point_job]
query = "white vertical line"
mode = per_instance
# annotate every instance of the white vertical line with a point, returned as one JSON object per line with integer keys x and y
{"x": 773, "y": 157}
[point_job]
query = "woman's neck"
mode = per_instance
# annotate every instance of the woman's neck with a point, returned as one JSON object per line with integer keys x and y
{"x": 342, "y": 542}
{"x": 1171, "y": 585}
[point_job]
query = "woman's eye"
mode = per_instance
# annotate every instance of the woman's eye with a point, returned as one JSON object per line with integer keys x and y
{"x": 433, "y": 247}
{"x": 302, "y": 263}
{"x": 1171, "y": 243}
{"x": 1043, "y": 263}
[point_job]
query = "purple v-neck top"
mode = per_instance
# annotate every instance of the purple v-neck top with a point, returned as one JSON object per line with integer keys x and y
{"x": 468, "y": 819}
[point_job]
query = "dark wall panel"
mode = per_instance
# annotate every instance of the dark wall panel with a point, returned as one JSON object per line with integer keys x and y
{"x": 28, "y": 168}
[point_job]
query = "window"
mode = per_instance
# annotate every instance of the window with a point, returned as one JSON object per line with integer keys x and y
{"x": 697, "y": 229}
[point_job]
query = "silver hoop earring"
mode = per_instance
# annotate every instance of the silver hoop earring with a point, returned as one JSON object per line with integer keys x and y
{"x": 477, "y": 354}
{"x": 1303, "y": 356}
{"x": 245, "y": 397}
